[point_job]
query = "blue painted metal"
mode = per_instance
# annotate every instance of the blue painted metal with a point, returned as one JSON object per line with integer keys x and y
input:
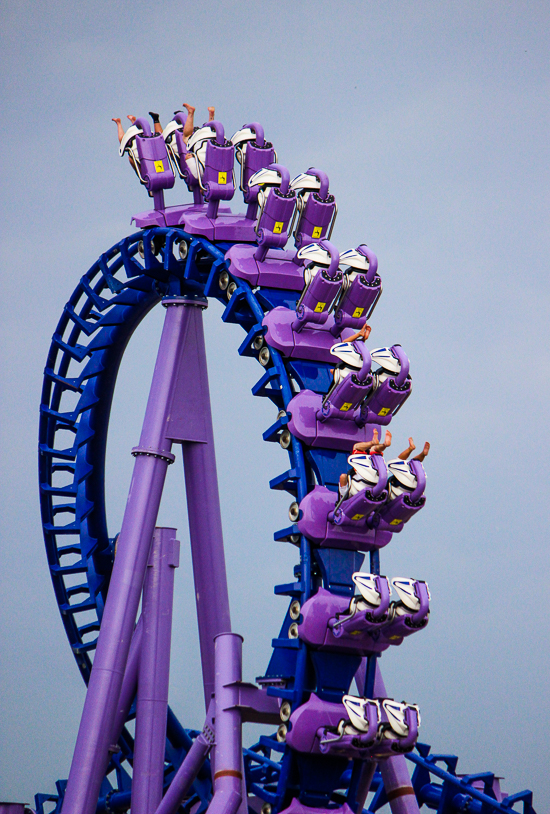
{"x": 108, "y": 304}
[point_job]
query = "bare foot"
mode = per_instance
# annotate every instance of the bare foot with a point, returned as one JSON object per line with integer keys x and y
{"x": 365, "y": 332}
{"x": 387, "y": 439}
{"x": 120, "y": 129}
{"x": 132, "y": 119}
{"x": 426, "y": 448}
{"x": 211, "y": 111}
{"x": 190, "y": 109}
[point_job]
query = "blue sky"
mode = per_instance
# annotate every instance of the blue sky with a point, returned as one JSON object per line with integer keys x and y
{"x": 431, "y": 120}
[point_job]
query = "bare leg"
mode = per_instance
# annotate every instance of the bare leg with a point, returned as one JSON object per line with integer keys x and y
{"x": 189, "y": 122}
{"x": 120, "y": 129}
{"x": 363, "y": 334}
{"x": 420, "y": 457}
{"x": 211, "y": 111}
{"x": 364, "y": 446}
{"x": 379, "y": 448}
{"x": 156, "y": 122}
{"x": 406, "y": 452}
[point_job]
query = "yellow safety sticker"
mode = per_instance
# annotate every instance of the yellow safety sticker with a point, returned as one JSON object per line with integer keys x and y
{"x": 159, "y": 166}
{"x": 317, "y": 231}
{"x": 384, "y": 411}
{"x": 345, "y": 407}
{"x": 357, "y": 516}
{"x": 278, "y": 228}
{"x": 320, "y": 307}
{"x": 358, "y": 312}
{"x": 396, "y": 522}
{"x": 355, "y": 632}
{"x": 222, "y": 178}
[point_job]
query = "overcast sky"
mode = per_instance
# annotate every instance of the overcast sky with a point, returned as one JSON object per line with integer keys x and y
{"x": 431, "y": 120}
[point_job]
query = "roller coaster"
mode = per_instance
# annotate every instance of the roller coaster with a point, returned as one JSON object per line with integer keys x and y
{"x": 334, "y": 740}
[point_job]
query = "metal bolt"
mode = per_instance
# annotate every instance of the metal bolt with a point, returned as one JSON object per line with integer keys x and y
{"x": 223, "y": 280}
{"x": 264, "y": 356}
{"x": 285, "y": 711}
{"x": 294, "y": 610}
{"x": 285, "y": 439}
{"x": 294, "y": 511}
{"x": 258, "y": 342}
{"x": 293, "y": 631}
{"x": 183, "y": 250}
{"x": 141, "y": 249}
{"x": 266, "y": 808}
{"x": 281, "y": 733}
{"x": 231, "y": 288}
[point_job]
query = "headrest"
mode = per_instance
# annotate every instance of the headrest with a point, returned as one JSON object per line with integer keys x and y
{"x": 347, "y": 353}
{"x": 367, "y": 587}
{"x": 402, "y": 472}
{"x": 202, "y": 134}
{"x": 364, "y": 466}
{"x": 386, "y": 359}
{"x": 129, "y": 135}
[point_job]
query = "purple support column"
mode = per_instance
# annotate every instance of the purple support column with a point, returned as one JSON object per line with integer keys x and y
{"x": 154, "y": 671}
{"x": 129, "y": 683}
{"x": 189, "y": 769}
{"x": 153, "y": 455}
{"x": 228, "y": 754}
{"x": 193, "y": 428}
{"x": 395, "y": 774}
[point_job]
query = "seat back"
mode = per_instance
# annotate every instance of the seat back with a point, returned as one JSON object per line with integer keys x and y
{"x": 278, "y": 201}
{"x": 316, "y": 207}
{"x": 253, "y": 153}
{"x": 155, "y": 166}
{"x": 216, "y": 177}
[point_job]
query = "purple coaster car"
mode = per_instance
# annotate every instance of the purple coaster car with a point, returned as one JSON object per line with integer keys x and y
{"x": 275, "y": 271}
{"x": 315, "y": 509}
{"x": 367, "y": 623}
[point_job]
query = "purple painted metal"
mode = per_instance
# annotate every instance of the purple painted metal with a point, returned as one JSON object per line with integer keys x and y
{"x": 317, "y": 298}
{"x": 189, "y": 769}
{"x": 228, "y": 758}
{"x": 317, "y": 213}
{"x": 276, "y": 270}
{"x": 331, "y": 433}
{"x": 308, "y": 719}
{"x": 315, "y": 510}
{"x": 178, "y": 409}
{"x": 154, "y": 669}
{"x": 129, "y": 684}
{"x": 193, "y": 428}
{"x": 360, "y": 298}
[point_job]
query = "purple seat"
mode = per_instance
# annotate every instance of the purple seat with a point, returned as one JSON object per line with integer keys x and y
{"x": 211, "y": 162}
{"x": 305, "y": 333}
{"x": 406, "y": 495}
{"x": 267, "y": 264}
{"x": 367, "y": 623}
{"x": 253, "y": 154}
{"x": 392, "y": 384}
{"x": 316, "y": 208}
{"x": 361, "y": 290}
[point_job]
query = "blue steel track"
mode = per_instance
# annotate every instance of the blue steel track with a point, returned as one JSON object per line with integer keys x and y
{"x": 97, "y": 323}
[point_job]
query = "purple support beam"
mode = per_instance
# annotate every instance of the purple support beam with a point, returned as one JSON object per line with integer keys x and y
{"x": 189, "y": 769}
{"x": 153, "y": 456}
{"x": 228, "y": 755}
{"x": 154, "y": 670}
{"x": 129, "y": 684}
{"x": 192, "y": 427}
